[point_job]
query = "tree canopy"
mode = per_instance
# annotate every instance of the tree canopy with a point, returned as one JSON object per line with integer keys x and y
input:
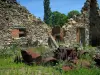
{"x": 47, "y": 12}
{"x": 72, "y": 13}
{"x": 58, "y": 19}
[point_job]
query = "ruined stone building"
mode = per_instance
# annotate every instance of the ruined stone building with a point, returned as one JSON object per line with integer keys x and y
{"x": 16, "y": 23}
{"x": 84, "y": 29}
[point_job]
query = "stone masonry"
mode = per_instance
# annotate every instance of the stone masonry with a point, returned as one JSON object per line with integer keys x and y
{"x": 14, "y": 15}
{"x": 89, "y": 20}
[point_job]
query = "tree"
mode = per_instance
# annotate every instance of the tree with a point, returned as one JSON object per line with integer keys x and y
{"x": 47, "y": 12}
{"x": 72, "y": 13}
{"x": 58, "y": 19}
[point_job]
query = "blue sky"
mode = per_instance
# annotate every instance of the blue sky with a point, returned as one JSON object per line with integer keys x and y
{"x": 64, "y": 6}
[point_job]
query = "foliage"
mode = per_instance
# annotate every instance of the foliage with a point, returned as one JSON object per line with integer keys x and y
{"x": 12, "y": 50}
{"x": 47, "y": 12}
{"x": 39, "y": 49}
{"x": 58, "y": 18}
{"x": 8, "y": 67}
{"x": 72, "y": 13}
{"x": 83, "y": 71}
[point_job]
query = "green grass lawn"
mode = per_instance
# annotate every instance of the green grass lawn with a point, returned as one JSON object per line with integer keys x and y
{"x": 8, "y": 67}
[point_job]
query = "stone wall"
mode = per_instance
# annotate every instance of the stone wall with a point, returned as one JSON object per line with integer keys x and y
{"x": 89, "y": 20}
{"x": 16, "y": 15}
{"x": 72, "y": 37}
{"x": 9, "y": 1}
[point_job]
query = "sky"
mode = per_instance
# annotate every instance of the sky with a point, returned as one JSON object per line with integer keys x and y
{"x": 64, "y": 6}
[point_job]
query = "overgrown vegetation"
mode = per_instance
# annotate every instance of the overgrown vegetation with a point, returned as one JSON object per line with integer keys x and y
{"x": 9, "y": 67}
{"x": 73, "y": 13}
{"x": 58, "y": 19}
{"x": 47, "y": 12}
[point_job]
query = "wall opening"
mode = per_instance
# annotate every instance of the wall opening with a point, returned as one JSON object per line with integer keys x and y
{"x": 58, "y": 38}
{"x": 18, "y": 32}
{"x": 58, "y": 33}
{"x": 56, "y": 30}
{"x": 80, "y": 35}
{"x": 22, "y": 32}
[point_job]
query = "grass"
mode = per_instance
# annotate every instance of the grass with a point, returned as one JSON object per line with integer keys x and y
{"x": 8, "y": 67}
{"x": 83, "y": 71}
